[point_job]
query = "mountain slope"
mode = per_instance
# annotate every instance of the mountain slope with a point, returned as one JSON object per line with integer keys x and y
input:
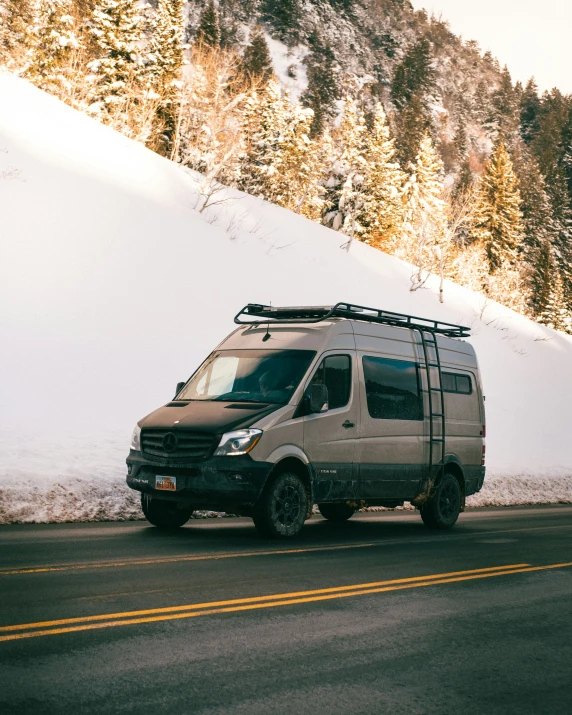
{"x": 113, "y": 287}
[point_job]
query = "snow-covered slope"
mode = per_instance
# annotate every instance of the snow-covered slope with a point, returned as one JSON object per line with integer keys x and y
{"x": 113, "y": 288}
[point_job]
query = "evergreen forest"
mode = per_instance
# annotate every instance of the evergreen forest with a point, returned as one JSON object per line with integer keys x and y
{"x": 386, "y": 126}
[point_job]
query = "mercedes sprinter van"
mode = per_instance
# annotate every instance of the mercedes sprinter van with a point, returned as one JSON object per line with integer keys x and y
{"x": 344, "y": 407}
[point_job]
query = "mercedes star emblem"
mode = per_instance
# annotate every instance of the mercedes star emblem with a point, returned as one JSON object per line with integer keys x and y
{"x": 169, "y": 442}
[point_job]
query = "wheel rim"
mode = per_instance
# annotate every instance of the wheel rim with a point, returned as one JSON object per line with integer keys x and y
{"x": 449, "y": 501}
{"x": 287, "y": 506}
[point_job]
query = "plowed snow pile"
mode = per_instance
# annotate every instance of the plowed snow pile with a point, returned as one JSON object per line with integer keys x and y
{"x": 113, "y": 287}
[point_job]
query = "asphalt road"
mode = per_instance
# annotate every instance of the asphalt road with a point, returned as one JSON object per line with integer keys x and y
{"x": 379, "y": 615}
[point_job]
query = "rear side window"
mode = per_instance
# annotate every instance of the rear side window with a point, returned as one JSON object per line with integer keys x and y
{"x": 335, "y": 372}
{"x": 392, "y": 389}
{"x": 461, "y": 384}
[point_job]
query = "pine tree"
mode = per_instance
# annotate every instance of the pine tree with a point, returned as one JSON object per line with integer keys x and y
{"x": 16, "y": 18}
{"x": 164, "y": 68}
{"x": 285, "y": 17}
{"x": 296, "y": 162}
{"x": 381, "y": 216}
{"x": 529, "y": 111}
{"x": 566, "y": 154}
{"x": 232, "y": 15}
{"x": 412, "y": 124}
{"x": 414, "y": 75}
{"x": 313, "y": 201}
{"x": 481, "y": 105}
{"x": 345, "y": 177}
{"x": 263, "y": 122}
{"x": 425, "y": 237}
{"x": 536, "y": 205}
{"x": 322, "y": 90}
{"x": 498, "y": 218}
{"x": 555, "y": 314}
{"x": 116, "y": 28}
{"x": 52, "y": 40}
{"x": 256, "y": 60}
{"x": 505, "y": 103}
{"x": 542, "y": 279}
{"x": 461, "y": 141}
{"x": 209, "y": 29}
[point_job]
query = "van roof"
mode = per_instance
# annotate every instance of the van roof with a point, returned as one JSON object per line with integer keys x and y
{"x": 257, "y": 314}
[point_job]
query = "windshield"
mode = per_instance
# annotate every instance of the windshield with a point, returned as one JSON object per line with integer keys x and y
{"x": 248, "y": 376}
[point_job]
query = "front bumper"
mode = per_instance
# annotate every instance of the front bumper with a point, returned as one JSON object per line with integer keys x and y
{"x": 219, "y": 483}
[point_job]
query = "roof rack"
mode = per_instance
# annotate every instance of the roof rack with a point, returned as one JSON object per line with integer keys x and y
{"x": 267, "y": 314}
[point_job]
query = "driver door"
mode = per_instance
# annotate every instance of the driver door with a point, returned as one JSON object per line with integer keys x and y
{"x": 330, "y": 436}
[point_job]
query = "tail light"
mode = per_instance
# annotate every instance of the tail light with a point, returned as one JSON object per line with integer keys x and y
{"x": 483, "y": 456}
{"x": 484, "y": 432}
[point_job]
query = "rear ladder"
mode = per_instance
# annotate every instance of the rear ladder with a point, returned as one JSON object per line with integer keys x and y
{"x": 436, "y": 442}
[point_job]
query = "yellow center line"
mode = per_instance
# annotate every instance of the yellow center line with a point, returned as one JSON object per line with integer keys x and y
{"x": 255, "y": 601}
{"x": 269, "y": 552}
{"x": 178, "y": 559}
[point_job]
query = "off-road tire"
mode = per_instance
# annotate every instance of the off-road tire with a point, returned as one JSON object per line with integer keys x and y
{"x": 444, "y": 507}
{"x": 164, "y": 514}
{"x": 281, "y": 510}
{"x": 336, "y": 512}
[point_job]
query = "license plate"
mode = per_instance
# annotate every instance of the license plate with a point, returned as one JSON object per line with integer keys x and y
{"x": 167, "y": 483}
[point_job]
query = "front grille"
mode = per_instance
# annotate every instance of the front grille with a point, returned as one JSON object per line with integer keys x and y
{"x": 180, "y": 444}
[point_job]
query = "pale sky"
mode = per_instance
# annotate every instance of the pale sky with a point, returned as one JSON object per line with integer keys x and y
{"x": 532, "y": 37}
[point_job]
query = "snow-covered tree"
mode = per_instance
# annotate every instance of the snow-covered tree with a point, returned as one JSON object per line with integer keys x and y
{"x": 313, "y": 200}
{"x": 256, "y": 60}
{"x": 529, "y": 111}
{"x": 51, "y": 39}
{"x": 164, "y": 69}
{"x": 263, "y": 123}
{"x": 413, "y": 122}
{"x": 116, "y": 29}
{"x": 415, "y": 75}
{"x": 555, "y": 313}
{"x": 212, "y": 107}
{"x": 298, "y": 162}
{"x": 345, "y": 177}
{"x": 322, "y": 90}
{"x": 425, "y": 237}
{"x": 381, "y": 216}
{"x": 506, "y": 109}
{"x": 285, "y": 16}
{"x": 16, "y": 19}
{"x": 209, "y": 29}
{"x": 498, "y": 218}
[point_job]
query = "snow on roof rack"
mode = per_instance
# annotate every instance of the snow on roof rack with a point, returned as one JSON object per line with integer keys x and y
{"x": 267, "y": 314}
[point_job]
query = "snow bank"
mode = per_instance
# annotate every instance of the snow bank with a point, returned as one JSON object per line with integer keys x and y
{"x": 113, "y": 288}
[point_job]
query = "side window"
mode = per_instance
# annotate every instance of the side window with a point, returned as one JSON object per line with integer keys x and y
{"x": 392, "y": 389}
{"x": 460, "y": 384}
{"x": 335, "y": 372}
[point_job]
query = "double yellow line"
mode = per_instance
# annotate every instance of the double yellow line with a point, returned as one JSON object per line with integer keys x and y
{"x": 154, "y": 615}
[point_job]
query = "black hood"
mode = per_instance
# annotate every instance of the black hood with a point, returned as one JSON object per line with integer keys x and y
{"x": 208, "y": 416}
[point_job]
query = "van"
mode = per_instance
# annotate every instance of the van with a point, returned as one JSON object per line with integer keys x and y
{"x": 342, "y": 406}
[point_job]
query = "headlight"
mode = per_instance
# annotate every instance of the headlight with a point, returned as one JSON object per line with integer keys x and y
{"x": 239, "y": 442}
{"x": 136, "y": 439}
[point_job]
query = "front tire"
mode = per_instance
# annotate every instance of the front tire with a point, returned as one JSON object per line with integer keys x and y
{"x": 164, "y": 514}
{"x": 444, "y": 507}
{"x": 281, "y": 511}
{"x": 336, "y": 512}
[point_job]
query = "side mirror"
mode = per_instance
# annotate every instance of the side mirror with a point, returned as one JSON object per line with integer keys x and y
{"x": 180, "y": 386}
{"x": 318, "y": 399}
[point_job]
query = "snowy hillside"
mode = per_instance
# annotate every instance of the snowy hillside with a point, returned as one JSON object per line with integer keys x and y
{"x": 113, "y": 287}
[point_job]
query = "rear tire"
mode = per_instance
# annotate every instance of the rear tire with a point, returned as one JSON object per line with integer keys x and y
{"x": 336, "y": 512}
{"x": 444, "y": 507}
{"x": 164, "y": 514}
{"x": 281, "y": 511}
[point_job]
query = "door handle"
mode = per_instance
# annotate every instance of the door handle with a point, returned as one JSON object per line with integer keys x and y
{"x": 348, "y": 425}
